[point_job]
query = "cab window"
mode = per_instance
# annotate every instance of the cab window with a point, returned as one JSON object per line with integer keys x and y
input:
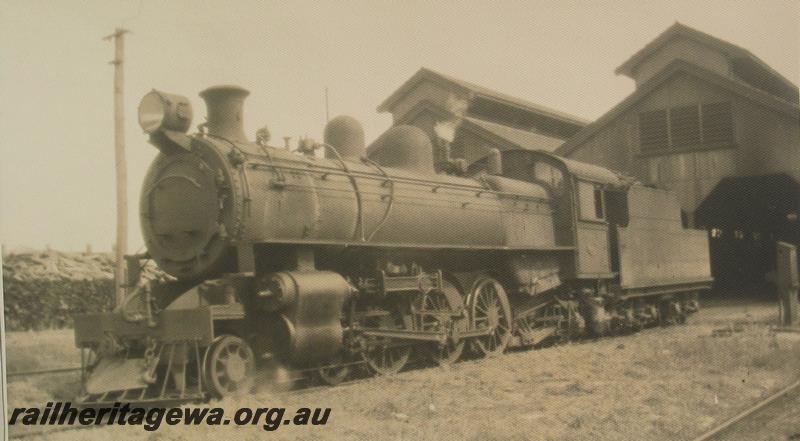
{"x": 591, "y": 203}
{"x": 548, "y": 174}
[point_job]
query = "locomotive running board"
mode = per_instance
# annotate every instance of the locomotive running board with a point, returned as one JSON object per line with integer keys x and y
{"x": 438, "y": 337}
{"x": 673, "y": 288}
{"x": 422, "y": 282}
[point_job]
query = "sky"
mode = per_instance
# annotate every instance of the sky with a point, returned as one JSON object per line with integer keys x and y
{"x": 57, "y": 182}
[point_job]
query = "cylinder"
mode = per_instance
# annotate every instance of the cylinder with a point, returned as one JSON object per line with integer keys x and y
{"x": 310, "y": 303}
{"x": 224, "y": 107}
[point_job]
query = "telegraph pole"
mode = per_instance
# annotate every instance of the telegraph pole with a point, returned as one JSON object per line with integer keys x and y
{"x": 327, "y": 114}
{"x": 119, "y": 157}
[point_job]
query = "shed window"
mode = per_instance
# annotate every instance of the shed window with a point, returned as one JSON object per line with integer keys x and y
{"x": 717, "y": 123}
{"x": 653, "y": 132}
{"x": 686, "y": 127}
{"x": 590, "y": 198}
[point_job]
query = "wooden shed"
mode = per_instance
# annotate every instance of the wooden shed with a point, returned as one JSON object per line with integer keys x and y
{"x": 475, "y": 118}
{"x": 715, "y": 123}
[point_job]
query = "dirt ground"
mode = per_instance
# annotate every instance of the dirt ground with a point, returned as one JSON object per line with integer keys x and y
{"x": 664, "y": 383}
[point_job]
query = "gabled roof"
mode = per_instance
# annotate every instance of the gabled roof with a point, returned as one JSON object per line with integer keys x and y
{"x": 422, "y": 107}
{"x": 518, "y": 138}
{"x": 425, "y": 74}
{"x": 679, "y": 29}
{"x": 737, "y": 87}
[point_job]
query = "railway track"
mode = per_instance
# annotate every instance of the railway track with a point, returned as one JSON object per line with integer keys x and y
{"x": 61, "y": 370}
{"x": 757, "y": 417}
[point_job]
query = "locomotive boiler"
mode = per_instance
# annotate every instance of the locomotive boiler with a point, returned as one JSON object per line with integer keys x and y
{"x": 332, "y": 264}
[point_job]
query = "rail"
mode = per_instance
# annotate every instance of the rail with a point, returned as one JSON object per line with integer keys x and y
{"x": 720, "y": 429}
{"x": 43, "y": 371}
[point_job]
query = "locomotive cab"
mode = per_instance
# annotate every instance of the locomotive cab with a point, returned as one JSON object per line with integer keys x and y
{"x": 627, "y": 239}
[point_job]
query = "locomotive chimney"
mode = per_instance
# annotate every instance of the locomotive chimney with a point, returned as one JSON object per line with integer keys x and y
{"x": 495, "y": 164}
{"x": 224, "y": 108}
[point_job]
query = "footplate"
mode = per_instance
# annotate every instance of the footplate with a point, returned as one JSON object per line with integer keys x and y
{"x": 422, "y": 282}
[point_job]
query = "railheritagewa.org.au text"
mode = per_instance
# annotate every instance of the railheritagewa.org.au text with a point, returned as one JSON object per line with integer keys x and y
{"x": 151, "y": 418}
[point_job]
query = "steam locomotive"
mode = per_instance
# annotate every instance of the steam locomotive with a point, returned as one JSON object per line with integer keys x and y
{"x": 326, "y": 261}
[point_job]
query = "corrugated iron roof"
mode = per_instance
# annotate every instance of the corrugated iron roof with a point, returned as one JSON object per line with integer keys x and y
{"x": 478, "y": 90}
{"x": 520, "y": 138}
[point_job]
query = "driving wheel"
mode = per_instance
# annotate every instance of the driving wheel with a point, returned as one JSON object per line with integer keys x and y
{"x": 383, "y": 355}
{"x": 490, "y": 312}
{"x": 442, "y": 304}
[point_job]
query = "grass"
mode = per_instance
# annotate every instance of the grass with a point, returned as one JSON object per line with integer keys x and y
{"x": 32, "y": 350}
{"x": 38, "y": 350}
{"x": 670, "y": 383}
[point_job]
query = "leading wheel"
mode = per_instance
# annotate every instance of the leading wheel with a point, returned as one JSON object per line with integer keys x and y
{"x": 229, "y": 366}
{"x": 490, "y": 312}
{"x": 334, "y": 373}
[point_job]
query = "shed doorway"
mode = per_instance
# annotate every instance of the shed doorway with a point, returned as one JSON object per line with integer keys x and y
{"x": 745, "y": 217}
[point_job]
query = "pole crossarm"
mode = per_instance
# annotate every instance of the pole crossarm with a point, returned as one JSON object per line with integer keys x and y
{"x": 117, "y": 33}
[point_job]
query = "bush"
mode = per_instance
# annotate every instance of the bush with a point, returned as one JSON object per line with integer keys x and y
{"x": 44, "y": 290}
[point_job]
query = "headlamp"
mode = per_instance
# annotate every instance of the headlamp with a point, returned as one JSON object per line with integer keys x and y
{"x": 159, "y": 111}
